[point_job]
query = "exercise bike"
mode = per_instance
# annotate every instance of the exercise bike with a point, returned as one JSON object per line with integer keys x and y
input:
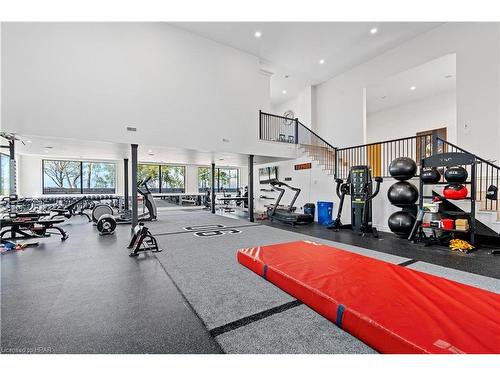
{"x": 359, "y": 185}
{"x": 106, "y": 222}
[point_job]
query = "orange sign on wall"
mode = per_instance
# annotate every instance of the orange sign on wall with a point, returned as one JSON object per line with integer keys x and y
{"x": 299, "y": 167}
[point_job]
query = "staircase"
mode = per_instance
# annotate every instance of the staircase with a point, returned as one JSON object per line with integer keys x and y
{"x": 336, "y": 162}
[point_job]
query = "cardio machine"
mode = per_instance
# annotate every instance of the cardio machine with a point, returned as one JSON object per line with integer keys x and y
{"x": 106, "y": 222}
{"x": 359, "y": 185}
{"x": 287, "y": 214}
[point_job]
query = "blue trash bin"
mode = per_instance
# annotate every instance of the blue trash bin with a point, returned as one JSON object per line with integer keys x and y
{"x": 325, "y": 210}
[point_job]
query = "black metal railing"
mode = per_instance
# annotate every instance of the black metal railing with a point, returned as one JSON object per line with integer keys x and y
{"x": 378, "y": 155}
{"x": 317, "y": 148}
{"x": 487, "y": 175}
{"x": 290, "y": 130}
{"x": 276, "y": 128}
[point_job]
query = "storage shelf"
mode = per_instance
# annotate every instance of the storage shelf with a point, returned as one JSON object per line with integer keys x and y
{"x": 449, "y": 213}
{"x": 447, "y": 183}
{"x": 443, "y": 198}
{"x": 448, "y": 230}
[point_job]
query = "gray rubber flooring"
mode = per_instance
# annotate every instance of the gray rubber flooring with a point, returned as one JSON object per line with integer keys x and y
{"x": 86, "y": 295}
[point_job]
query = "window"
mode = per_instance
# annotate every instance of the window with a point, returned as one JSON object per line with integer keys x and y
{"x": 164, "y": 178}
{"x": 172, "y": 178}
{"x": 98, "y": 178}
{"x": 203, "y": 179}
{"x": 4, "y": 174}
{"x": 150, "y": 170}
{"x": 65, "y": 177}
{"x": 226, "y": 178}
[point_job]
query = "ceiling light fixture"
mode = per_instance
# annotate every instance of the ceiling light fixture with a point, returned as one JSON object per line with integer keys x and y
{"x": 322, "y": 61}
{"x": 448, "y": 76}
{"x": 413, "y": 88}
{"x": 283, "y": 92}
{"x": 373, "y": 30}
{"x": 257, "y": 34}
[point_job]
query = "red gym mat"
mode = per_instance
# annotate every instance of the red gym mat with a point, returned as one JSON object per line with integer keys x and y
{"x": 391, "y": 308}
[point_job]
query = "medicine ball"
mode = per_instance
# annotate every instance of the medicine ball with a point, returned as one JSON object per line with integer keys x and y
{"x": 401, "y": 223}
{"x": 402, "y": 168}
{"x": 455, "y": 191}
{"x": 456, "y": 174}
{"x": 430, "y": 176}
{"x": 402, "y": 194}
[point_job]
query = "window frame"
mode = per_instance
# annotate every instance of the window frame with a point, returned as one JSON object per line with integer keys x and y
{"x": 218, "y": 188}
{"x": 80, "y": 162}
{"x": 161, "y": 188}
{"x": 8, "y": 168}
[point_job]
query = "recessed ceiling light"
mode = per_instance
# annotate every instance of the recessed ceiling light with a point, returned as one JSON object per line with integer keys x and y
{"x": 283, "y": 92}
{"x": 29, "y": 141}
{"x": 287, "y": 76}
{"x": 373, "y": 30}
{"x": 257, "y": 34}
{"x": 322, "y": 61}
{"x": 448, "y": 76}
{"x": 413, "y": 88}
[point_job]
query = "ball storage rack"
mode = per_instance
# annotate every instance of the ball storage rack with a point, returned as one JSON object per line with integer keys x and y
{"x": 452, "y": 159}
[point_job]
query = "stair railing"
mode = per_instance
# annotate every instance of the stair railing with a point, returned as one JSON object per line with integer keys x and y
{"x": 377, "y": 155}
{"x": 487, "y": 174}
{"x": 282, "y": 129}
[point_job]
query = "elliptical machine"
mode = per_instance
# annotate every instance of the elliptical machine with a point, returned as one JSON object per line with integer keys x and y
{"x": 359, "y": 185}
{"x": 106, "y": 222}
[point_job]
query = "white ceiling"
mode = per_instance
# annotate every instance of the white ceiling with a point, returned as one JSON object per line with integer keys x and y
{"x": 295, "y": 48}
{"x": 432, "y": 78}
{"x": 81, "y": 149}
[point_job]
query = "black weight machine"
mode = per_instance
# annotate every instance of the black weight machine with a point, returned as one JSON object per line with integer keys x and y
{"x": 359, "y": 185}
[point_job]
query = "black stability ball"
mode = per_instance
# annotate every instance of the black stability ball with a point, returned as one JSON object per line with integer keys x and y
{"x": 401, "y": 223}
{"x": 430, "y": 176}
{"x": 402, "y": 194}
{"x": 402, "y": 168}
{"x": 456, "y": 174}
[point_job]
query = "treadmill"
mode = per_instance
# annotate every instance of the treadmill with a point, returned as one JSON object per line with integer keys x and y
{"x": 286, "y": 214}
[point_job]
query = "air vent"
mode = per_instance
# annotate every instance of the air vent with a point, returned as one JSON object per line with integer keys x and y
{"x": 131, "y": 129}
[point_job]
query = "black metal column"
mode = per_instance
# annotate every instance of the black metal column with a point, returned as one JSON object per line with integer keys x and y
{"x": 212, "y": 199}
{"x": 125, "y": 183}
{"x": 12, "y": 168}
{"x": 135, "y": 218}
{"x": 250, "y": 188}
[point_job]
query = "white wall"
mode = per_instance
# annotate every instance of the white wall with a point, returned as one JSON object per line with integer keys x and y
{"x": 316, "y": 185}
{"x": 339, "y": 101}
{"x": 301, "y": 105}
{"x": 437, "y": 111}
{"x": 89, "y": 81}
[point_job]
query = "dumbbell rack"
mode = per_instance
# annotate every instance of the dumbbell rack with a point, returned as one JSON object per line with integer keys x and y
{"x": 453, "y": 159}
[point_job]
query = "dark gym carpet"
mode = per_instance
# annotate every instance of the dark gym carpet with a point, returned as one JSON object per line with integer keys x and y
{"x": 85, "y": 295}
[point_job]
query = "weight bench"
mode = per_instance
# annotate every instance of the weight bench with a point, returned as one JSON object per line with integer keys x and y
{"x": 31, "y": 228}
